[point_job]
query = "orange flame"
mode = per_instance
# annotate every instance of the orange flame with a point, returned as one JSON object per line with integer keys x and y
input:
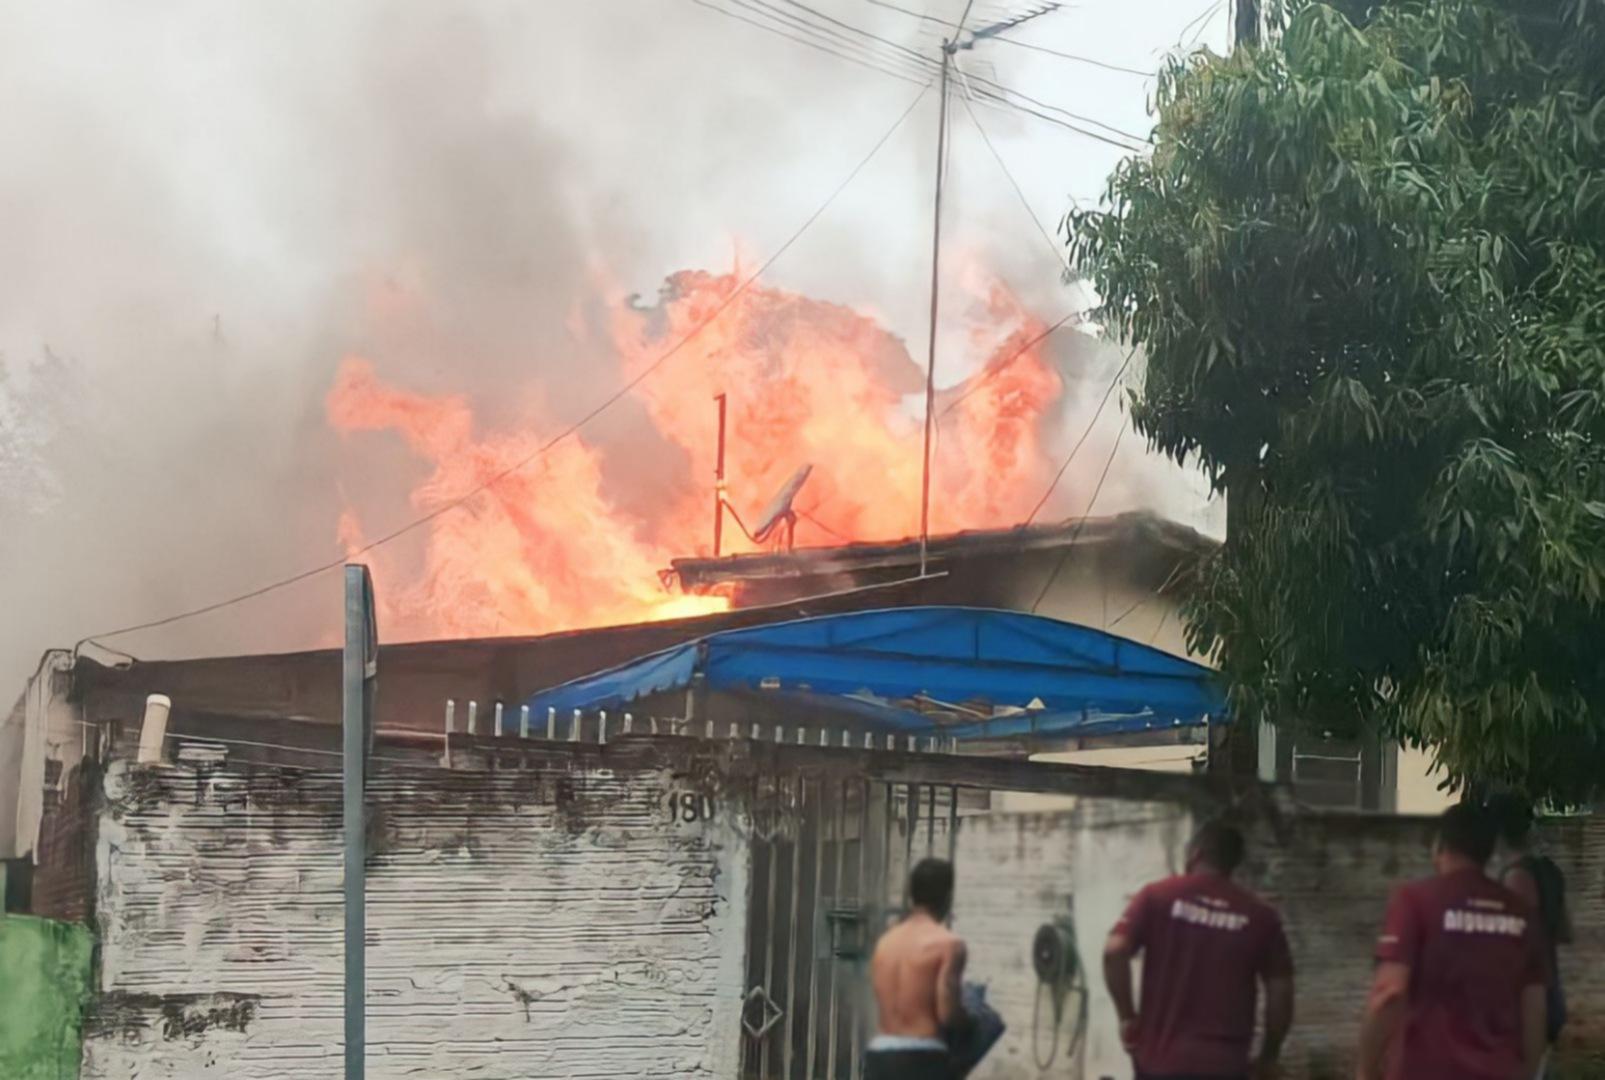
{"x": 551, "y": 546}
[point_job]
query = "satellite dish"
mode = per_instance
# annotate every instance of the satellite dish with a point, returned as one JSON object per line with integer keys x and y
{"x": 779, "y": 508}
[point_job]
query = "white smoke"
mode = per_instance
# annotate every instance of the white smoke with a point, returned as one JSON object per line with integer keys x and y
{"x": 206, "y": 205}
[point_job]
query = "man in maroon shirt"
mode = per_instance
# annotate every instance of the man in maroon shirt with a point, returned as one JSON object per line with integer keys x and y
{"x": 1459, "y": 987}
{"x": 1206, "y": 944}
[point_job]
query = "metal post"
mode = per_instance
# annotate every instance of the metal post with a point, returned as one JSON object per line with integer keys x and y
{"x": 936, "y": 278}
{"x": 359, "y": 670}
{"x": 836, "y": 898}
{"x": 788, "y": 1050}
{"x": 718, "y": 483}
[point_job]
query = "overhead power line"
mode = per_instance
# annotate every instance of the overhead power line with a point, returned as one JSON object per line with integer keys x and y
{"x": 1058, "y": 254}
{"x": 1106, "y": 65}
{"x": 1047, "y": 586}
{"x": 573, "y": 428}
{"x": 812, "y": 44}
{"x": 828, "y": 34}
{"x": 1076, "y": 449}
{"x": 927, "y": 17}
{"x": 992, "y": 370}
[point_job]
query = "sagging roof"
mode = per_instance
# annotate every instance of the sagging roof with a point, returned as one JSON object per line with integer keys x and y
{"x": 1017, "y": 673}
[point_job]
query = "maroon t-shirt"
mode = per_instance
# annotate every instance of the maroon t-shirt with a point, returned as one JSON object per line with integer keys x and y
{"x": 1204, "y": 942}
{"x": 1472, "y": 947}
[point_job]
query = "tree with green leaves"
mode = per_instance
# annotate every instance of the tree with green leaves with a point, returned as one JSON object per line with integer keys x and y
{"x": 1366, "y": 262}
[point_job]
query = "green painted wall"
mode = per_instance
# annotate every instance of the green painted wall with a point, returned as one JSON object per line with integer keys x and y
{"x": 44, "y": 984}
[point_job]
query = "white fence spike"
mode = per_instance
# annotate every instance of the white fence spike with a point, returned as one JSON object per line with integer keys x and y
{"x": 523, "y": 721}
{"x": 498, "y": 719}
{"x": 473, "y": 716}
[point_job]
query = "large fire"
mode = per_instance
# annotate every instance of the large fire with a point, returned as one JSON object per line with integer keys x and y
{"x": 556, "y": 545}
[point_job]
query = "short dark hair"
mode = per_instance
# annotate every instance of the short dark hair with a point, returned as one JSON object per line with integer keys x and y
{"x": 1220, "y": 845}
{"x": 1467, "y": 829}
{"x": 930, "y": 886}
{"x": 1513, "y": 818}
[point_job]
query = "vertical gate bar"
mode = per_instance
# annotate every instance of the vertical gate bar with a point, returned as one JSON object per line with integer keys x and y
{"x": 788, "y": 1051}
{"x": 813, "y": 938}
{"x": 952, "y": 822}
{"x": 855, "y": 1064}
{"x": 830, "y": 937}
{"x": 769, "y": 948}
{"x": 886, "y": 850}
{"x": 913, "y": 827}
{"x": 930, "y": 822}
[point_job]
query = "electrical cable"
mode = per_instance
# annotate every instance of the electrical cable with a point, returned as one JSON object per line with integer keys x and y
{"x": 835, "y": 38}
{"x": 607, "y": 403}
{"x": 964, "y": 80}
{"x": 1069, "y": 56}
{"x": 925, "y": 17}
{"x": 803, "y": 41}
{"x": 1163, "y": 585}
{"x": 993, "y": 369}
{"x": 806, "y": 516}
{"x": 1203, "y": 18}
{"x": 1074, "y": 450}
{"x": 1076, "y": 535}
{"x": 992, "y": 92}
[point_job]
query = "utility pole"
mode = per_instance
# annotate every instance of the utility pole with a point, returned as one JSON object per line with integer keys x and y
{"x": 949, "y": 47}
{"x": 1246, "y": 30}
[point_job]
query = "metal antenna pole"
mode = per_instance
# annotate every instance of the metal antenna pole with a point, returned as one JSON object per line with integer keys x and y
{"x": 936, "y": 278}
{"x": 948, "y": 49}
{"x": 718, "y": 482}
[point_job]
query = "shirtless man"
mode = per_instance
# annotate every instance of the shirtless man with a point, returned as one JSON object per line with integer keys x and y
{"x": 917, "y": 973}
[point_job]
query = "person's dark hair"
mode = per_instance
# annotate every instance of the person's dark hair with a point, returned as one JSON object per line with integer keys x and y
{"x": 1220, "y": 845}
{"x": 930, "y": 886}
{"x": 1513, "y": 818}
{"x": 1467, "y": 829}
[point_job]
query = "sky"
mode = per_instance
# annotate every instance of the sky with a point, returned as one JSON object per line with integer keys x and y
{"x": 205, "y": 205}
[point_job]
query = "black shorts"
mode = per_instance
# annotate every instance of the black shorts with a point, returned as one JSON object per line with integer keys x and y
{"x": 908, "y": 1065}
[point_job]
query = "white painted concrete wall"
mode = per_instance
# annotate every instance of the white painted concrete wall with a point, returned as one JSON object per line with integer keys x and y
{"x": 1017, "y": 871}
{"x": 520, "y": 925}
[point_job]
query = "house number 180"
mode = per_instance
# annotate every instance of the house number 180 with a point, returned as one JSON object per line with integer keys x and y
{"x": 689, "y": 807}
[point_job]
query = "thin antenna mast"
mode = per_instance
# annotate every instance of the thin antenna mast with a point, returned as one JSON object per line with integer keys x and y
{"x": 949, "y": 47}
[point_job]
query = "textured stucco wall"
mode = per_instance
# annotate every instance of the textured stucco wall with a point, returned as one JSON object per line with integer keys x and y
{"x": 44, "y": 984}
{"x": 548, "y": 923}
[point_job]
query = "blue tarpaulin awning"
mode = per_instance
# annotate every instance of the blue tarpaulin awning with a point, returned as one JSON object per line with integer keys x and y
{"x": 1015, "y": 673}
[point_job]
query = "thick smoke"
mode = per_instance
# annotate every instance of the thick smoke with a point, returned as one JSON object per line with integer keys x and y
{"x": 206, "y": 207}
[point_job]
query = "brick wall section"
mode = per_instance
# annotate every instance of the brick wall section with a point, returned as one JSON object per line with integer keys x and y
{"x": 549, "y": 923}
{"x": 63, "y": 881}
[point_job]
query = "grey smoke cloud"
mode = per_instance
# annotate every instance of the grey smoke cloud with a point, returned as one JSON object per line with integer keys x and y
{"x": 205, "y": 206}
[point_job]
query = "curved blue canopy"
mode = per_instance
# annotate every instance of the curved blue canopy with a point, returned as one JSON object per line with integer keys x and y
{"x": 1018, "y": 673}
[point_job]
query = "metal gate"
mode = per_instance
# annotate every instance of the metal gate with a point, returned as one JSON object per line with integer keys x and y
{"x": 830, "y": 856}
